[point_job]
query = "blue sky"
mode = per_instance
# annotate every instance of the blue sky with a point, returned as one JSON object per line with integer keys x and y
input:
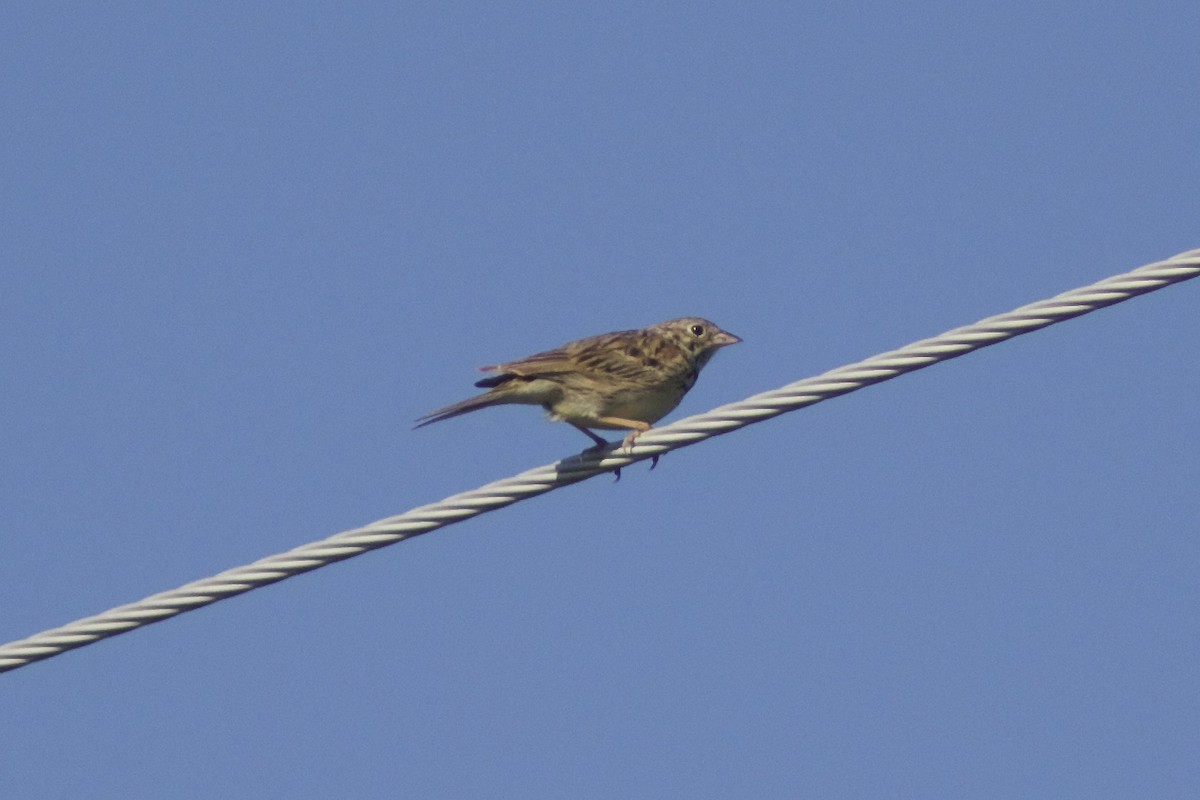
{"x": 246, "y": 246}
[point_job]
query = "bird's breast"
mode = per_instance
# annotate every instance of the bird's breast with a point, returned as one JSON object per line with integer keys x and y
{"x": 647, "y": 405}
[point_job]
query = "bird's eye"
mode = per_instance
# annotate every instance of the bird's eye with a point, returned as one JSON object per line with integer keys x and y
{"x": 697, "y": 330}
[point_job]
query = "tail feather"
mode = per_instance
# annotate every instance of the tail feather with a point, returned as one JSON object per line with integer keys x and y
{"x": 457, "y": 409}
{"x": 495, "y": 380}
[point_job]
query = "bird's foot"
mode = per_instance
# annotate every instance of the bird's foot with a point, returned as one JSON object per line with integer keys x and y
{"x": 600, "y": 446}
{"x": 627, "y": 445}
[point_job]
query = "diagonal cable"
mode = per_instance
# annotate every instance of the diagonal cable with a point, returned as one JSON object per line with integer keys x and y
{"x": 656, "y": 441}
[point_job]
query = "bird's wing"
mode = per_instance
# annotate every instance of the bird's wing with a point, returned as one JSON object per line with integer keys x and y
{"x": 582, "y": 355}
{"x": 633, "y": 357}
{"x": 551, "y": 361}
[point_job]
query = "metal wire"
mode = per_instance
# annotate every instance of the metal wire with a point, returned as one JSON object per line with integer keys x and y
{"x": 656, "y": 441}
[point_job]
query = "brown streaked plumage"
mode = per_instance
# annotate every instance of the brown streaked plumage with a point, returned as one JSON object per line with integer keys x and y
{"x": 626, "y": 380}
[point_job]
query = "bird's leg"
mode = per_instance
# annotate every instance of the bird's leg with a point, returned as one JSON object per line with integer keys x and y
{"x": 638, "y": 428}
{"x": 600, "y": 445}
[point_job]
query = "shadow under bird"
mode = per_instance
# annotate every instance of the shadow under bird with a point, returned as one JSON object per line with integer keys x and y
{"x": 626, "y": 380}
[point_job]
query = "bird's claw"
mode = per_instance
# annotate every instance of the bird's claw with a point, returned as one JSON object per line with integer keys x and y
{"x": 626, "y": 445}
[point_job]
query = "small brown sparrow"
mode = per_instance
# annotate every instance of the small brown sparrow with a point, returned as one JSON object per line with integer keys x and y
{"x": 626, "y": 380}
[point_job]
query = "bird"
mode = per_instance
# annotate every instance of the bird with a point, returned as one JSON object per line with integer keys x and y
{"x": 625, "y": 380}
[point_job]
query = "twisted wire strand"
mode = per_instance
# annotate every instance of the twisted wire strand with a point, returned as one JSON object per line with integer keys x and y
{"x": 656, "y": 441}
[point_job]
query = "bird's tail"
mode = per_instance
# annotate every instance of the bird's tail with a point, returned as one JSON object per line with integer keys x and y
{"x": 463, "y": 407}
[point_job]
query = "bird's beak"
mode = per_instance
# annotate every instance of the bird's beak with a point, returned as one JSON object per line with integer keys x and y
{"x": 723, "y": 338}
